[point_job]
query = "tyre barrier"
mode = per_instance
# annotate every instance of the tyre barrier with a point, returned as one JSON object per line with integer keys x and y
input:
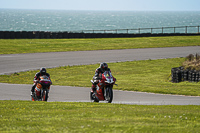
{"x": 180, "y": 74}
{"x": 61, "y": 35}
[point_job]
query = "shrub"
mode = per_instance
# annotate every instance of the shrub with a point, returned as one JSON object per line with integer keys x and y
{"x": 192, "y": 62}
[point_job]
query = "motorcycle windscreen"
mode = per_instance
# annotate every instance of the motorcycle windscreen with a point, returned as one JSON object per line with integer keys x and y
{"x": 108, "y": 76}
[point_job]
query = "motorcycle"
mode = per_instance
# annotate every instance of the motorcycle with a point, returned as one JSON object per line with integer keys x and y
{"x": 44, "y": 86}
{"x": 104, "y": 87}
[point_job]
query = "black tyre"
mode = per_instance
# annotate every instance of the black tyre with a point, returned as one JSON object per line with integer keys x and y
{"x": 32, "y": 99}
{"x": 92, "y": 98}
{"x": 45, "y": 95}
{"x": 109, "y": 95}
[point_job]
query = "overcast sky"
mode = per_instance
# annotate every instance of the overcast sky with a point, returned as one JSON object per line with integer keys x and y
{"x": 119, "y": 5}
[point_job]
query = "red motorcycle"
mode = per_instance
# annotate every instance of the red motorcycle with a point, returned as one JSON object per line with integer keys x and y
{"x": 104, "y": 90}
{"x": 43, "y": 86}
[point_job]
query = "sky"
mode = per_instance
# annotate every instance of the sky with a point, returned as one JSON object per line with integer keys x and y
{"x": 105, "y": 5}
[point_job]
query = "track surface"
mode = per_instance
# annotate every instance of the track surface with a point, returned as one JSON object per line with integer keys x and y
{"x": 22, "y": 62}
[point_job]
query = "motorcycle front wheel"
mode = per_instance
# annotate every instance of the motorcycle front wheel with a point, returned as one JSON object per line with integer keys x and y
{"x": 45, "y": 95}
{"x": 109, "y": 94}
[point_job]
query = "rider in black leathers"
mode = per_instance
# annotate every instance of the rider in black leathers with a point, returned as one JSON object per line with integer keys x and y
{"x": 102, "y": 68}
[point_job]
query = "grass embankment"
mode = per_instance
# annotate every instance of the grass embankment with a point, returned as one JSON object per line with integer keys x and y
{"x": 27, "y": 116}
{"x": 144, "y": 76}
{"x": 15, "y": 46}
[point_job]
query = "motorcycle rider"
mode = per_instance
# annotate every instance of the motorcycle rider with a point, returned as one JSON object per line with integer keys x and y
{"x": 42, "y": 72}
{"x": 102, "y": 68}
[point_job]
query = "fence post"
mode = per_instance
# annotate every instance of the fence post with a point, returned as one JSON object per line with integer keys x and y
{"x": 127, "y": 31}
{"x": 198, "y": 29}
{"x": 162, "y": 30}
{"x": 174, "y": 29}
{"x": 139, "y": 30}
{"x": 151, "y": 30}
{"x": 185, "y": 29}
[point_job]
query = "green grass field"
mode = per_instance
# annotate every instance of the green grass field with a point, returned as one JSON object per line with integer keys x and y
{"x": 27, "y": 116}
{"x": 15, "y": 46}
{"x": 144, "y": 76}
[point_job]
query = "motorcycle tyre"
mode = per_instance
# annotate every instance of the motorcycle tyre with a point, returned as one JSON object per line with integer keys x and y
{"x": 110, "y": 93}
{"x": 93, "y": 99}
{"x": 45, "y": 95}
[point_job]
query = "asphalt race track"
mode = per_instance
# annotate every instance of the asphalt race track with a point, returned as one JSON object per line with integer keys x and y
{"x": 23, "y": 62}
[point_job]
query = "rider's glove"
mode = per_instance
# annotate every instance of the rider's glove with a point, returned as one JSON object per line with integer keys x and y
{"x": 35, "y": 81}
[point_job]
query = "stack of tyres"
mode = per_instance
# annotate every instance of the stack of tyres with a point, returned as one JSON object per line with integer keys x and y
{"x": 193, "y": 76}
{"x": 185, "y": 77}
{"x": 190, "y": 76}
{"x": 180, "y": 74}
{"x": 197, "y": 76}
{"x": 177, "y": 74}
{"x": 173, "y": 73}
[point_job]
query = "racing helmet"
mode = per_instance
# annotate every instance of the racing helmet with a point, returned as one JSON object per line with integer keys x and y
{"x": 104, "y": 66}
{"x": 43, "y": 71}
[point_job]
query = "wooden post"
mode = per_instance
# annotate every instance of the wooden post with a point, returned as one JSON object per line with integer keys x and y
{"x": 151, "y": 30}
{"x": 162, "y": 30}
{"x": 198, "y": 29}
{"x": 139, "y": 30}
{"x": 174, "y": 29}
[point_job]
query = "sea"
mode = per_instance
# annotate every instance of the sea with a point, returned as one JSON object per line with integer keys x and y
{"x": 76, "y": 21}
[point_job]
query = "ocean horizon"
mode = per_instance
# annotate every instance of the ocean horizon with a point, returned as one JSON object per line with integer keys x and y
{"x": 75, "y": 20}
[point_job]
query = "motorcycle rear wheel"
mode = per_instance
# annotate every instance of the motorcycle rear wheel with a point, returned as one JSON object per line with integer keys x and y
{"x": 92, "y": 98}
{"x": 32, "y": 99}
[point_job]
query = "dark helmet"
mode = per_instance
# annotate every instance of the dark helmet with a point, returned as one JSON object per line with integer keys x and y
{"x": 104, "y": 66}
{"x": 43, "y": 71}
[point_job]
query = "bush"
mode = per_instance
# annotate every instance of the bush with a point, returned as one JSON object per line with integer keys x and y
{"x": 192, "y": 62}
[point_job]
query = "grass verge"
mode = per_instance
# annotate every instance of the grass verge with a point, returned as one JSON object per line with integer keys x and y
{"x": 27, "y": 116}
{"x": 15, "y": 46}
{"x": 144, "y": 76}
